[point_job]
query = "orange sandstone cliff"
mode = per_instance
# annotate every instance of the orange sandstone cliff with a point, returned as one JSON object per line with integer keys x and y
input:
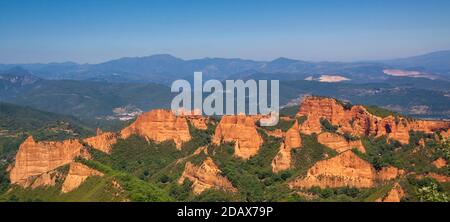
{"x": 35, "y": 158}
{"x": 103, "y": 141}
{"x": 205, "y": 176}
{"x": 242, "y": 131}
{"x": 160, "y": 125}
{"x": 283, "y": 159}
{"x": 77, "y": 174}
{"x": 345, "y": 169}
{"x": 339, "y": 143}
{"x": 356, "y": 120}
{"x": 394, "y": 195}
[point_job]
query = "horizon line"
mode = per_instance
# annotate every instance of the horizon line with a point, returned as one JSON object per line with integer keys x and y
{"x": 228, "y": 58}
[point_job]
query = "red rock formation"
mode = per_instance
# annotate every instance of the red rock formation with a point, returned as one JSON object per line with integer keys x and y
{"x": 440, "y": 163}
{"x": 35, "y": 158}
{"x": 446, "y": 134}
{"x": 282, "y": 160}
{"x": 311, "y": 124}
{"x": 205, "y": 176}
{"x": 199, "y": 122}
{"x": 241, "y": 130}
{"x": 275, "y": 133}
{"x": 438, "y": 177}
{"x": 389, "y": 173}
{"x": 394, "y": 195}
{"x": 339, "y": 143}
{"x": 346, "y": 169}
{"x": 77, "y": 174}
{"x": 358, "y": 121}
{"x": 292, "y": 139}
{"x": 160, "y": 125}
{"x": 102, "y": 141}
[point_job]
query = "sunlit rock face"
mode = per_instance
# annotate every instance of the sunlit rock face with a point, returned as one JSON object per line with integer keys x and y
{"x": 346, "y": 169}
{"x": 103, "y": 141}
{"x": 339, "y": 143}
{"x": 206, "y": 176}
{"x": 160, "y": 125}
{"x": 440, "y": 163}
{"x": 356, "y": 120}
{"x": 77, "y": 174}
{"x": 390, "y": 173}
{"x": 283, "y": 159}
{"x": 394, "y": 195}
{"x": 242, "y": 131}
{"x": 35, "y": 158}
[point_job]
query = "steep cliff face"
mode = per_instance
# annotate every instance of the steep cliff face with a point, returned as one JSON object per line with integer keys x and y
{"x": 339, "y": 143}
{"x": 241, "y": 130}
{"x": 205, "y": 176}
{"x": 311, "y": 124}
{"x": 160, "y": 125}
{"x": 35, "y": 158}
{"x": 283, "y": 159}
{"x": 346, "y": 169}
{"x": 103, "y": 141}
{"x": 358, "y": 121}
{"x": 77, "y": 174}
{"x": 394, "y": 195}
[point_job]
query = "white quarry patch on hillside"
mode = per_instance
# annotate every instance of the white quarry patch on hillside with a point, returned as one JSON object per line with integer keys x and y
{"x": 408, "y": 73}
{"x": 328, "y": 78}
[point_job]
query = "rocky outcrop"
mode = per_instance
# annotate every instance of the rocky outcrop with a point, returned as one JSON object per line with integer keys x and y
{"x": 439, "y": 178}
{"x": 339, "y": 143}
{"x": 394, "y": 195}
{"x": 445, "y": 134}
{"x": 440, "y": 163}
{"x": 311, "y": 124}
{"x": 36, "y": 158}
{"x": 205, "y": 176}
{"x": 160, "y": 125}
{"x": 346, "y": 169}
{"x": 390, "y": 173}
{"x": 242, "y": 131}
{"x": 292, "y": 137}
{"x": 199, "y": 122}
{"x": 283, "y": 159}
{"x": 356, "y": 120}
{"x": 103, "y": 141}
{"x": 277, "y": 133}
{"x": 77, "y": 174}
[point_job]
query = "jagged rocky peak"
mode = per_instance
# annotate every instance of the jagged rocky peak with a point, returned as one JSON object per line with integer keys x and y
{"x": 357, "y": 120}
{"x": 291, "y": 140}
{"x": 206, "y": 176}
{"x": 242, "y": 131}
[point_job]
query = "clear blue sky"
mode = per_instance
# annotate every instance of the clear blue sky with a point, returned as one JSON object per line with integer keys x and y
{"x": 340, "y": 30}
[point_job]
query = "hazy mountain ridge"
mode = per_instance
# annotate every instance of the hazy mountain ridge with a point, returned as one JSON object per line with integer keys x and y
{"x": 165, "y": 68}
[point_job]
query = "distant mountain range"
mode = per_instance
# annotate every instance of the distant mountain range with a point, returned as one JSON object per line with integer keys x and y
{"x": 165, "y": 68}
